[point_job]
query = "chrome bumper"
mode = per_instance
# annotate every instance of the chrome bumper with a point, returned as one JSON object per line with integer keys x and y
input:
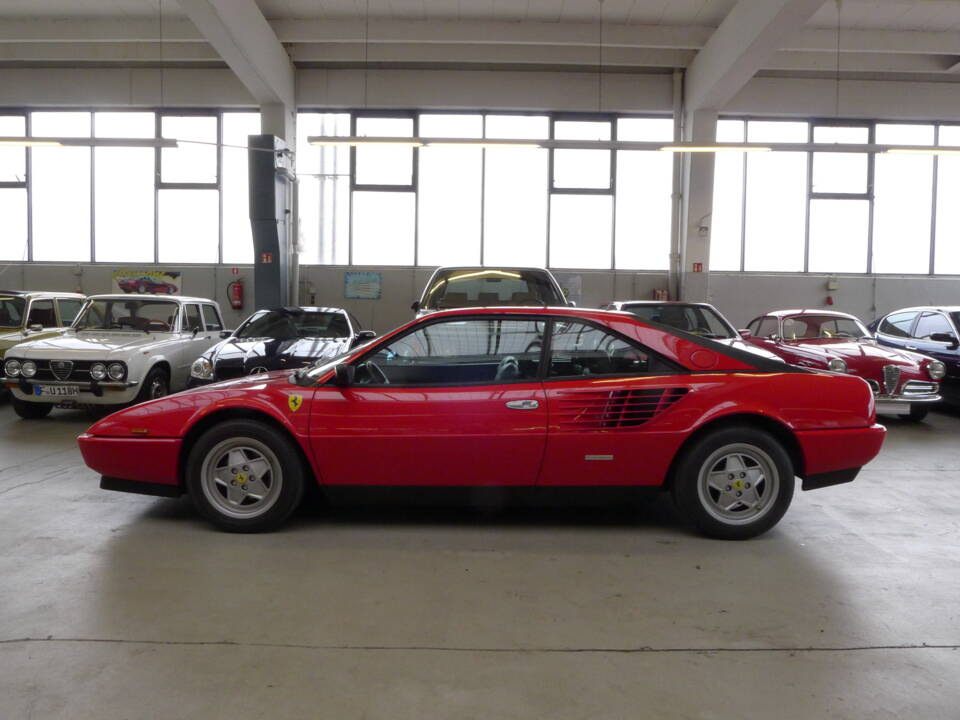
{"x": 82, "y": 384}
{"x": 913, "y": 391}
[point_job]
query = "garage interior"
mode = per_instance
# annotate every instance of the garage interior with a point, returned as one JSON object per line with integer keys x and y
{"x": 117, "y": 605}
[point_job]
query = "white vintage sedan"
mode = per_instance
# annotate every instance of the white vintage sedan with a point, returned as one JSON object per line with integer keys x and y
{"x": 121, "y": 349}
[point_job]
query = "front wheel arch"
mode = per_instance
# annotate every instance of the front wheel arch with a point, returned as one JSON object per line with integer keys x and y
{"x": 779, "y": 431}
{"x": 214, "y": 418}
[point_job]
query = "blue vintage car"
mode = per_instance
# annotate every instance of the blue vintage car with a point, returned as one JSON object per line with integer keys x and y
{"x": 931, "y": 330}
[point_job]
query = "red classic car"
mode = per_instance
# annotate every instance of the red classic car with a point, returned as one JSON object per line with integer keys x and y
{"x": 533, "y": 399}
{"x": 904, "y": 383}
{"x": 143, "y": 285}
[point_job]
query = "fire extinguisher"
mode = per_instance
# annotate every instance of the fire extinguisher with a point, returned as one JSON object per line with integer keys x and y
{"x": 235, "y": 294}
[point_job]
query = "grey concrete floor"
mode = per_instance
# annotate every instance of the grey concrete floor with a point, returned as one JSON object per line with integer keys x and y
{"x": 123, "y": 606}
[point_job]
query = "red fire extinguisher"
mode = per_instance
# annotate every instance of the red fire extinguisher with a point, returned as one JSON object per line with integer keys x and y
{"x": 235, "y": 294}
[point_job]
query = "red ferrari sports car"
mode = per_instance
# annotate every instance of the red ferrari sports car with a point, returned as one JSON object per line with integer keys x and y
{"x": 531, "y": 398}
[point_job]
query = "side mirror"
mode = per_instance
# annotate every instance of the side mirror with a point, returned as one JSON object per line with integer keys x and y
{"x": 366, "y": 335}
{"x": 572, "y": 303}
{"x": 415, "y": 306}
{"x": 946, "y": 337}
{"x": 343, "y": 375}
{"x": 745, "y": 334}
{"x": 35, "y": 327}
{"x": 196, "y": 330}
{"x": 224, "y": 334}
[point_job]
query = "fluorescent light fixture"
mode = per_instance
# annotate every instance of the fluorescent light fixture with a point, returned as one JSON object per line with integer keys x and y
{"x": 932, "y": 150}
{"x": 333, "y": 141}
{"x": 87, "y": 142}
{"x": 715, "y": 148}
{"x": 482, "y": 143}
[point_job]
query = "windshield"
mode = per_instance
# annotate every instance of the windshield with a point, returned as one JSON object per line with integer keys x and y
{"x": 817, "y": 327}
{"x": 11, "y": 311}
{"x": 128, "y": 314}
{"x": 480, "y": 288}
{"x": 703, "y": 321}
{"x": 287, "y": 325}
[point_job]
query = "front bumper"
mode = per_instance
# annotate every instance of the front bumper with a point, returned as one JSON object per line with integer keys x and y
{"x": 148, "y": 461}
{"x": 912, "y": 392}
{"x": 91, "y": 392}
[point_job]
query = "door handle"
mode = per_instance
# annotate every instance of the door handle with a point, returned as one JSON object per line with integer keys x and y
{"x": 910, "y": 347}
{"x": 523, "y": 404}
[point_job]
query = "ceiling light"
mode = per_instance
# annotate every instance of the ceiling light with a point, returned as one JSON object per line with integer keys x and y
{"x": 923, "y": 150}
{"x": 87, "y": 142}
{"x": 324, "y": 140}
{"x": 713, "y": 148}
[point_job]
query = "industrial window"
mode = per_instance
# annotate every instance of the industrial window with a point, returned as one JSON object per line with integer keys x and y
{"x": 726, "y": 227}
{"x": 13, "y": 160}
{"x": 323, "y": 186}
{"x": 449, "y": 193}
{"x": 123, "y": 189}
{"x": 14, "y": 242}
{"x": 195, "y": 159}
{"x": 581, "y": 231}
{"x": 383, "y": 228}
{"x": 515, "y": 193}
{"x": 188, "y": 225}
{"x": 644, "y": 204}
{"x": 775, "y": 216}
{"x": 60, "y": 187}
{"x": 947, "y": 237}
{"x": 383, "y": 164}
{"x": 903, "y": 197}
{"x": 235, "y": 194}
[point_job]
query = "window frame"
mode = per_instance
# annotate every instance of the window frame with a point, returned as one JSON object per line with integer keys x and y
{"x": 920, "y": 315}
{"x": 913, "y": 324}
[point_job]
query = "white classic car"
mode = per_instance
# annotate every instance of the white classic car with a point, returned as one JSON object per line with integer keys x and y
{"x": 120, "y": 349}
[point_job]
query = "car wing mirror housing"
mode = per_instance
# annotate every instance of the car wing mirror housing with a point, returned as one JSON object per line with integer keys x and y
{"x": 415, "y": 306}
{"x": 224, "y": 334}
{"x": 35, "y": 327}
{"x": 745, "y": 334}
{"x": 343, "y": 375}
{"x": 945, "y": 337}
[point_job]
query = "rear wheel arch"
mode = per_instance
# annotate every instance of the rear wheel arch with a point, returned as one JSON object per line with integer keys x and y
{"x": 760, "y": 422}
{"x": 214, "y": 418}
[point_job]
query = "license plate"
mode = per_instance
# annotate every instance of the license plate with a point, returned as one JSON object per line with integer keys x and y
{"x": 890, "y": 408}
{"x": 56, "y": 390}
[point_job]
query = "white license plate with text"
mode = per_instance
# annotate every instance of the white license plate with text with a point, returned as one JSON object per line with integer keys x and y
{"x": 56, "y": 390}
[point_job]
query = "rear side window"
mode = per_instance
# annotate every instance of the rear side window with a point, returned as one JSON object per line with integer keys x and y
{"x": 211, "y": 318}
{"x": 42, "y": 313}
{"x": 931, "y": 323}
{"x": 581, "y": 350}
{"x": 898, "y": 324}
{"x": 69, "y": 309}
{"x": 192, "y": 318}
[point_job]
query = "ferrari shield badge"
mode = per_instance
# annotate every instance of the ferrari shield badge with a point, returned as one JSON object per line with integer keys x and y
{"x": 294, "y": 401}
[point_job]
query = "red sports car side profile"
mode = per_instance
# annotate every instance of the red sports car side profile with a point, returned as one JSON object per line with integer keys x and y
{"x": 522, "y": 398}
{"x": 905, "y": 383}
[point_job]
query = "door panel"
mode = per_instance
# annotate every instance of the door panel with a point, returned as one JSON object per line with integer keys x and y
{"x": 440, "y": 436}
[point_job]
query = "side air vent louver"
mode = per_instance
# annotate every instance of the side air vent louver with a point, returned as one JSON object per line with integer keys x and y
{"x": 612, "y": 409}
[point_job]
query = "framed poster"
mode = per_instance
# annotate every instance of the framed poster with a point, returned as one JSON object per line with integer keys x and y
{"x": 362, "y": 285}
{"x": 154, "y": 282}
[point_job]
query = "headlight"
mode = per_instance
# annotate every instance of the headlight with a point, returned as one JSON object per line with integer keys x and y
{"x": 837, "y": 365}
{"x": 98, "y": 371}
{"x": 12, "y": 368}
{"x": 935, "y": 369}
{"x": 28, "y": 368}
{"x": 202, "y": 369}
{"x": 115, "y": 371}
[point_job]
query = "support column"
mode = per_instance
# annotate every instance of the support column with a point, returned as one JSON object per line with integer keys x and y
{"x": 697, "y": 210}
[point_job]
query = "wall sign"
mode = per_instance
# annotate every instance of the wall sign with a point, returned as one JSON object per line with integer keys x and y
{"x": 698, "y": 267}
{"x": 362, "y": 285}
{"x": 154, "y": 282}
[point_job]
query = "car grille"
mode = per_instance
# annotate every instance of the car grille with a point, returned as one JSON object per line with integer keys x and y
{"x": 612, "y": 409}
{"x": 891, "y": 379}
{"x": 77, "y": 370}
{"x": 917, "y": 388}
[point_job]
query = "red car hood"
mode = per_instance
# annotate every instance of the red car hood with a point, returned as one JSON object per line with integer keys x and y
{"x": 860, "y": 354}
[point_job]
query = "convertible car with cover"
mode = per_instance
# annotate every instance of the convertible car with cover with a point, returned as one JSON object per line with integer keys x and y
{"x": 525, "y": 399}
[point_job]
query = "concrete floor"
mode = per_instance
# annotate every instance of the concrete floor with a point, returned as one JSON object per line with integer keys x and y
{"x": 123, "y": 606}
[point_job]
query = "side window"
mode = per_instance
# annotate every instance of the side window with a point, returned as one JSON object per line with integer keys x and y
{"x": 69, "y": 309}
{"x": 897, "y": 325}
{"x": 42, "y": 313}
{"x": 211, "y": 318}
{"x": 192, "y": 318}
{"x": 767, "y": 328}
{"x": 578, "y": 350}
{"x": 459, "y": 352}
{"x": 931, "y": 323}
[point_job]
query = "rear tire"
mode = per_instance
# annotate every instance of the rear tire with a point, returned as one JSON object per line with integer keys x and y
{"x": 917, "y": 413}
{"x": 30, "y": 410}
{"x": 245, "y": 476}
{"x": 734, "y": 483}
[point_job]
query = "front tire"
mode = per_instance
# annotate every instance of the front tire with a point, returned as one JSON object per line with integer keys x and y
{"x": 917, "y": 413}
{"x": 30, "y": 410}
{"x": 155, "y": 385}
{"x": 734, "y": 483}
{"x": 245, "y": 476}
